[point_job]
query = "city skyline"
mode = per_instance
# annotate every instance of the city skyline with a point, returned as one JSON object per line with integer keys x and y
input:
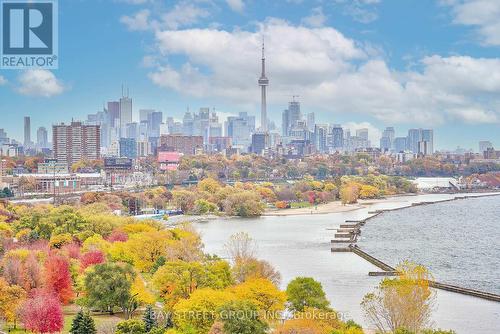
{"x": 348, "y": 51}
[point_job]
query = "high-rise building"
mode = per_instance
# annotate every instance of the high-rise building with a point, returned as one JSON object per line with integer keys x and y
{"x": 155, "y": 118}
{"x": 128, "y": 148}
{"x": 3, "y": 137}
{"x": 41, "y": 138}
{"x": 27, "y": 131}
{"x": 114, "y": 113}
{"x": 75, "y": 142}
{"x": 263, "y": 83}
{"x": 290, "y": 117}
{"x": 362, "y": 133}
{"x": 387, "y": 139}
{"x": 484, "y": 145}
{"x": 240, "y": 129}
{"x": 260, "y": 141}
{"x": 311, "y": 122}
{"x": 400, "y": 144}
{"x": 337, "y": 137}
{"x": 125, "y": 110}
{"x": 415, "y": 136}
{"x": 320, "y": 136}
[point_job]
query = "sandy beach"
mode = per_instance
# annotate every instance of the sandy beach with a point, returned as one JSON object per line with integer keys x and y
{"x": 331, "y": 207}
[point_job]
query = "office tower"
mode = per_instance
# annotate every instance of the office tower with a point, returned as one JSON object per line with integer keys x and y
{"x": 400, "y": 144}
{"x": 27, "y": 131}
{"x": 187, "y": 123}
{"x": 362, "y": 133}
{"x": 415, "y": 136}
{"x": 291, "y": 116}
{"x": 113, "y": 113}
{"x": 155, "y": 118}
{"x": 263, "y": 83}
{"x": 320, "y": 136}
{"x": 484, "y": 145}
{"x": 41, "y": 137}
{"x": 337, "y": 137}
{"x": 144, "y": 114}
{"x": 75, "y": 142}
{"x": 125, "y": 110}
{"x": 260, "y": 141}
{"x": 240, "y": 128}
{"x": 311, "y": 121}
{"x": 428, "y": 138}
{"x": 132, "y": 130}
{"x": 128, "y": 148}
{"x": 387, "y": 139}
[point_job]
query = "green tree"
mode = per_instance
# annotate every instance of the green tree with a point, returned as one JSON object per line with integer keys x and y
{"x": 83, "y": 324}
{"x": 76, "y": 323}
{"x": 306, "y": 292}
{"x": 108, "y": 285}
{"x": 149, "y": 318}
{"x": 130, "y": 327}
{"x": 241, "y": 317}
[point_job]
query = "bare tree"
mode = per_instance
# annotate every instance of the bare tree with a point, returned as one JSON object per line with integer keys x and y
{"x": 240, "y": 247}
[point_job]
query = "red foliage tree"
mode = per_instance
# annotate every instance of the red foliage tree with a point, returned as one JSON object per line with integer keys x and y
{"x": 117, "y": 235}
{"x": 42, "y": 313}
{"x": 58, "y": 278}
{"x": 90, "y": 258}
{"x": 72, "y": 250}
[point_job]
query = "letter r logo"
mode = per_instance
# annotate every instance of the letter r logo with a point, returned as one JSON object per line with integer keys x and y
{"x": 27, "y": 28}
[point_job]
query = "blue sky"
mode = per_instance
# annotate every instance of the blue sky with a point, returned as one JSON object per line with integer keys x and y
{"x": 361, "y": 63}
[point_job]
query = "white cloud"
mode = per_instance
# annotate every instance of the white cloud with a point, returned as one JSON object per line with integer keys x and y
{"x": 482, "y": 14}
{"x": 236, "y": 5}
{"x": 316, "y": 19}
{"x": 183, "y": 14}
{"x": 39, "y": 83}
{"x": 330, "y": 72}
{"x": 360, "y": 10}
{"x": 139, "y": 21}
{"x": 3, "y": 81}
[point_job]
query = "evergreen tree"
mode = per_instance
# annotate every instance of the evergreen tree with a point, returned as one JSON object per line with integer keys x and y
{"x": 87, "y": 325}
{"x": 76, "y": 325}
{"x": 149, "y": 318}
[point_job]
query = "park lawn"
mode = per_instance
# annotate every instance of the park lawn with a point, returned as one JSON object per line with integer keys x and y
{"x": 69, "y": 312}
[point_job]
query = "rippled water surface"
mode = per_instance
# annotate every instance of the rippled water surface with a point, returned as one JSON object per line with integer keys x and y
{"x": 458, "y": 241}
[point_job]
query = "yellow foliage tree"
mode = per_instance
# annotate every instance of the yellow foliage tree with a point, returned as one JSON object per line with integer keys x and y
{"x": 10, "y": 299}
{"x": 263, "y": 293}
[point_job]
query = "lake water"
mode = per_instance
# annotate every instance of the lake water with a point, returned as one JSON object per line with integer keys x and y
{"x": 300, "y": 246}
{"x": 458, "y": 241}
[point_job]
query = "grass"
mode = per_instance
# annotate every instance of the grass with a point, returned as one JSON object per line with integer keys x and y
{"x": 298, "y": 205}
{"x": 69, "y": 313}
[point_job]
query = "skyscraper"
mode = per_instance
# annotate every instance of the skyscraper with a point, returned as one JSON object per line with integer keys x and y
{"x": 337, "y": 137}
{"x": 311, "y": 122}
{"x": 125, "y": 110}
{"x": 41, "y": 137}
{"x": 27, "y": 131}
{"x": 263, "y": 83}
{"x": 75, "y": 142}
{"x": 320, "y": 136}
{"x": 421, "y": 138}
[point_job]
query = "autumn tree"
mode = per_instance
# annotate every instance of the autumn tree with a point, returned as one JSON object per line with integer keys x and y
{"x": 91, "y": 258}
{"x": 306, "y": 292}
{"x": 11, "y": 296}
{"x": 42, "y": 313}
{"x": 403, "y": 302}
{"x": 241, "y": 317}
{"x": 57, "y": 277}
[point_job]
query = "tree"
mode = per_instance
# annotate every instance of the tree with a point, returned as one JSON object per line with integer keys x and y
{"x": 149, "y": 318}
{"x": 87, "y": 325}
{"x": 107, "y": 285}
{"x": 11, "y": 296}
{"x": 250, "y": 268}
{"x": 240, "y": 246}
{"x": 404, "y": 302}
{"x": 90, "y": 258}
{"x": 241, "y": 317}
{"x": 306, "y": 292}
{"x": 263, "y": 294}
{"x": 130, "y": 327}
{"x": 42, "y": 313}
{"x": 76, "y": 323}
{"x": 57, "y": 277}
{"x": 243, "y": 204}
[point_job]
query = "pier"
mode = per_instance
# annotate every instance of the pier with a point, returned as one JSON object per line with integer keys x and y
{"x": 348, "y": 233}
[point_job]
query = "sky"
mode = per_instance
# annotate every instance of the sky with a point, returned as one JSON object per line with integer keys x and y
{"x": 360, "y": 63}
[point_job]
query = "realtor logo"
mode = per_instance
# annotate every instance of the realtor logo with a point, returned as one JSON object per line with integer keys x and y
{"x": 29, "y": 36}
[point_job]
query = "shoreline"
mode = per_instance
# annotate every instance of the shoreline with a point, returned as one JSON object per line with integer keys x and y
{"x": 338, "y": 207}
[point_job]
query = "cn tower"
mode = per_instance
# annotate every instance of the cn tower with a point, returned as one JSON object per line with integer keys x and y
{"x": 263, "y": 83}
